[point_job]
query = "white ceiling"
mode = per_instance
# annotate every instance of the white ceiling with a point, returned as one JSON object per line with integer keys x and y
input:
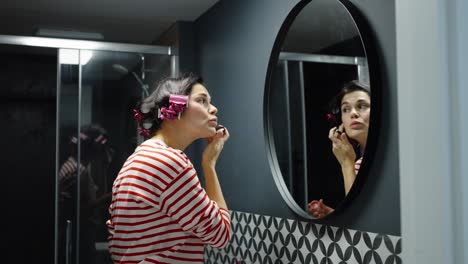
{"x": 125, "y": 21}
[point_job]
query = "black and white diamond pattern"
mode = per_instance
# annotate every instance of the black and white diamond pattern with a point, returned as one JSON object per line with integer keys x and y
{"x": 271, "y": 240}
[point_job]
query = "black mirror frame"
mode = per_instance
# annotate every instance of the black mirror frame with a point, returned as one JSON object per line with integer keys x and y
{"x": 370, "y": 48}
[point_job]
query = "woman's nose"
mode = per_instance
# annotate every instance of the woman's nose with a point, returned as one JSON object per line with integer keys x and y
{"x": 213, "y": 109}
{"x": 354, "y": 112}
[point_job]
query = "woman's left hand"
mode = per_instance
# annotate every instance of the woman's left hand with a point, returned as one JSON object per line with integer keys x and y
{"x": 342, "y": 148}
{"x": 214, "y": 147}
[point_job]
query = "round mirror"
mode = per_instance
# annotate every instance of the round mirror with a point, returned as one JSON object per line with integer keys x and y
{"x": 321, "y": 106}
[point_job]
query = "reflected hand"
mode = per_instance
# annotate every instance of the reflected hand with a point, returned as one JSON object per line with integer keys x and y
{"x": 318, "y": 209}
{"x": 214, "y": 147}
{"x": 342, "y": 148}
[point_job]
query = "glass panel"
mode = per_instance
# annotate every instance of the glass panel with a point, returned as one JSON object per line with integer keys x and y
{"x": 111, "y": 85}
{"x": 68, "y": 156}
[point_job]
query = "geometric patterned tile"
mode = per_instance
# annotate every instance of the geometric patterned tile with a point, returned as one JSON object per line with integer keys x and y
{"x": 272, "y": 240}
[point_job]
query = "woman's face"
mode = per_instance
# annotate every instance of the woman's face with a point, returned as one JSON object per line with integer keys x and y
{"x": 200, "y": 116}
{"x": 355, "y": 112}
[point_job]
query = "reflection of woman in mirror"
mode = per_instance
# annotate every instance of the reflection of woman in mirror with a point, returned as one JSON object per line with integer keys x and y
{"x": 95, "y": 153}
{"x": 352, "y": 106}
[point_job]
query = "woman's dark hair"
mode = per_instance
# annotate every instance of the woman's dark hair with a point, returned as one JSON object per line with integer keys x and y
{"x": 180, "y": 85}
{"x": 335, "y": 103}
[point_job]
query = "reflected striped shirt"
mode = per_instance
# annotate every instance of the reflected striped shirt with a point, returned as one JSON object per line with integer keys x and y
{"x": 357, "y": 165}
{"x": 159, "y": 211}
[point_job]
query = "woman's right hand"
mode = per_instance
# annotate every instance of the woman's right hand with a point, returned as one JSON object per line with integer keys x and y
{"x": 214, "y": 147}
{"x": 318, "y": 209}
{"x": 342, "y": 148}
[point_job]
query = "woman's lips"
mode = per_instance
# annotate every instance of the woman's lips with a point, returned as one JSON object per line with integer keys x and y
{"x": 213, "y": 123}
{"x": 356, "y": 125}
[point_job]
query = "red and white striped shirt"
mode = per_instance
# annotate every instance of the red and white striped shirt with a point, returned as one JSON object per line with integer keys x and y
{"x": 357, "y": 165}
{"x": 160, "y": 213}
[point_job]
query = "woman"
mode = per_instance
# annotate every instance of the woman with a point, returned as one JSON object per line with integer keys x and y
{"x": 352, "y": 106}
{"x": 159, "y": 212}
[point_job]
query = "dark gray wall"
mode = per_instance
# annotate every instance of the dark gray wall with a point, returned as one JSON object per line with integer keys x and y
{"x": 233, "y": 44}
{"x": 27, "y": 137}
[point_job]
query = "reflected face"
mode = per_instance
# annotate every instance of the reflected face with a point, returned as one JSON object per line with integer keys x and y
{"x": 355, "y": 113}
{"x": 200, "y": 116}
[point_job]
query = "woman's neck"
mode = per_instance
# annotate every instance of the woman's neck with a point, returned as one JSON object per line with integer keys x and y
{"x": 173, "y": 138}
{"x": 362, "y": 148}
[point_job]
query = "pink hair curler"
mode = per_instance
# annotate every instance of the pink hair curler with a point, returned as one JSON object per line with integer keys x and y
{"x": 137, "y": 115}
{"x": 177, "y": 104}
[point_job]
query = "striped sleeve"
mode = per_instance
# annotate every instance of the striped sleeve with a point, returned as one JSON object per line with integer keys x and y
{"x": 68, "y": 174}
{"x": 185, "y": 201}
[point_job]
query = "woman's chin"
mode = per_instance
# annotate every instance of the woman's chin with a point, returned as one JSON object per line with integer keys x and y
{"x": 359, "y": 137}
{"x": 212, "y": 132}
{"x": 354, "y": 134}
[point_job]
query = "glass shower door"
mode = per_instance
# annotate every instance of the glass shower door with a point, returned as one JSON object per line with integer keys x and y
{"x": 97, "y": 131}
{"x": 68, "y": 155}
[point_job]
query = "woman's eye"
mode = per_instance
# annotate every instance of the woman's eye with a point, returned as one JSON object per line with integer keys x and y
{"x": 203, "y": 101}
{"x": 363, "y": 106}
{"x": 345, "y": 110}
